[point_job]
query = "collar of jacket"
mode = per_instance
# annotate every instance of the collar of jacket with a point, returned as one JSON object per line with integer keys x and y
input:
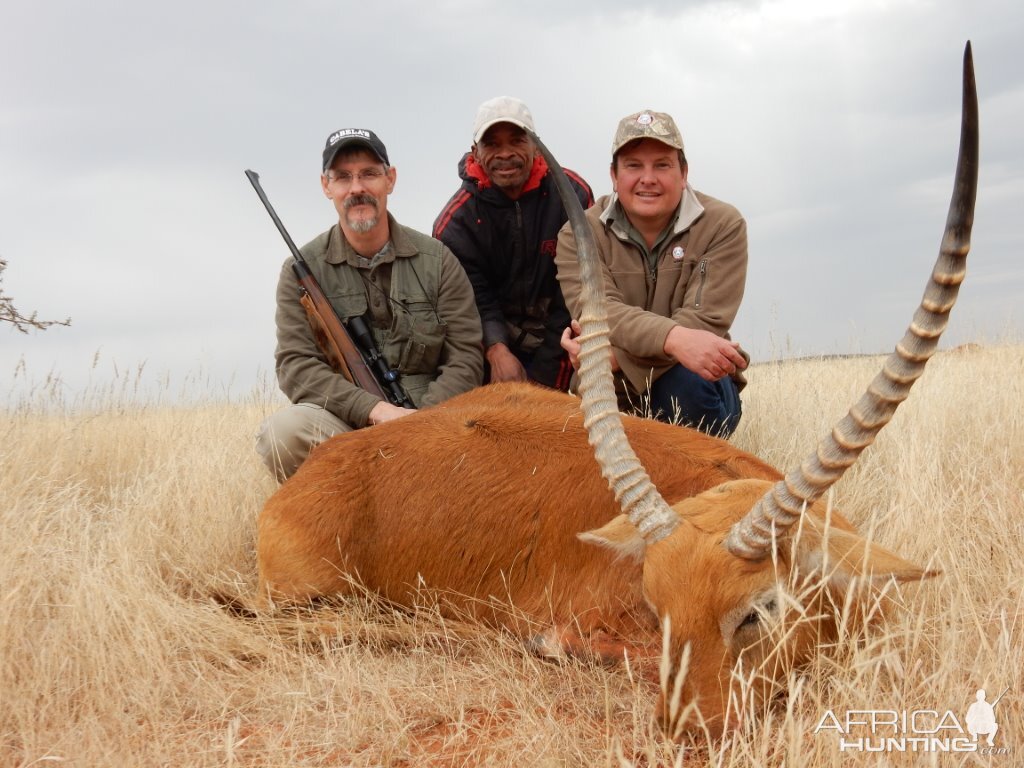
{"x": 690, "y": 209}
{"x": 470, "y": 170}
{"x": 339, "y": 251}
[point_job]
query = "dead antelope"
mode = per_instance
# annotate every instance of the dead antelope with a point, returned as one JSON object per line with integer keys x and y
{"x": 494, "y": 502}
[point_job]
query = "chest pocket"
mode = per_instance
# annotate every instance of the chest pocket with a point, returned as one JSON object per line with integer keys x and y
{"x": 417, "y": 333}
{"x": 417, "y": 338}
{"x": 347, "y": 301}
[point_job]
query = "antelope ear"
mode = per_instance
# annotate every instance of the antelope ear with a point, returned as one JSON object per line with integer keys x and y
{"x": 851, "y": 556}
{"x": 620, "y": 536}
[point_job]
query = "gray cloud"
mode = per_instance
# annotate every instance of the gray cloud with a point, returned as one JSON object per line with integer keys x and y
{"x": 833, "y": 126}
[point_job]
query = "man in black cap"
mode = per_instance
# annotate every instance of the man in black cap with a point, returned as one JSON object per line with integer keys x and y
{"x": 410, "y": 289}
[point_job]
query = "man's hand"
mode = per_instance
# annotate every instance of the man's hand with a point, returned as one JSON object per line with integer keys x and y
{"x": 570, "y": 345}
{"x": 504, "y": 365}
{"x": 384, "y": 411}
{"x": 709, "y": 356}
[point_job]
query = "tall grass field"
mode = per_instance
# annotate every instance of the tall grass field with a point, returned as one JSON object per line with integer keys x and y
{"x": 122, "y": 518}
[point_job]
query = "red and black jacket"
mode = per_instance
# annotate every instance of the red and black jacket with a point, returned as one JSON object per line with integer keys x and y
{"x": 507, "y": 248}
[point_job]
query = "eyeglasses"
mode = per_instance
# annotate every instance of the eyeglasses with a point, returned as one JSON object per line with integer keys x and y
{"x": 366, "y": 177}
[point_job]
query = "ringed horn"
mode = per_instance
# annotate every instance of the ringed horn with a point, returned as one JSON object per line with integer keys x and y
{"x": 751, "y": 538}
{"x": 632, "y": 486}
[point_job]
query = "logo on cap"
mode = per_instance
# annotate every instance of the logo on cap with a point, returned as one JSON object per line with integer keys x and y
{"x": 647, "y": 124}
{"x": 338, "y": 136}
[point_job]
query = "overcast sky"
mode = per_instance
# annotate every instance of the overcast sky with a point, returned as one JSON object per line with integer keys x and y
{"x": 125, "y": 128}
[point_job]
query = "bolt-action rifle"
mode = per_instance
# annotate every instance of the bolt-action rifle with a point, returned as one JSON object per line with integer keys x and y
{"x": 330, "y": 333}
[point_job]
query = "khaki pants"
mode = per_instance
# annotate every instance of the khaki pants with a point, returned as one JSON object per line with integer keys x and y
{"x": 286, "y": 437}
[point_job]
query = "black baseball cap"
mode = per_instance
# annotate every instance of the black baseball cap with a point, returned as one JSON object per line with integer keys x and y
{"x": 348, "y": 137}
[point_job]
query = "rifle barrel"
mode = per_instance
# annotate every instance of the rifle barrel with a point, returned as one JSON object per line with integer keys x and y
{"x": 254, "y": 179}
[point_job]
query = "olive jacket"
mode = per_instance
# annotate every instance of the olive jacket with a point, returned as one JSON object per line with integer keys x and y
{"x": 431, "y": 334}
{"x": 697, "y": 280}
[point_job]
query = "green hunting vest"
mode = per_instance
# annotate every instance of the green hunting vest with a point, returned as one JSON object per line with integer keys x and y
{"x": 415, "y": 340}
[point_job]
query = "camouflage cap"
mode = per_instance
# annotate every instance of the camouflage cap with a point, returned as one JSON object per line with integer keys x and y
{"x": 503, "y": 109}
{"x": 647, "y": 124}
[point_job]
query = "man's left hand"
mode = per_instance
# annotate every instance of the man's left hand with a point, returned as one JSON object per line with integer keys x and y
{"x": 709, "y": 356}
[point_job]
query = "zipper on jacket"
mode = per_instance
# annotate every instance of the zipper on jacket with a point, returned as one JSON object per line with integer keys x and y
{"x": 702, "y": 268}
{"x": 520, "y": 255}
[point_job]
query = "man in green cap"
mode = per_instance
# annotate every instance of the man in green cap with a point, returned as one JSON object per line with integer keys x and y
{"x": 675, "y": 263}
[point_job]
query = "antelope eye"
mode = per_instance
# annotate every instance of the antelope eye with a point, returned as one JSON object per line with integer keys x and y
{"x": 749, "y": 620}
{"x": 754, "y": 617}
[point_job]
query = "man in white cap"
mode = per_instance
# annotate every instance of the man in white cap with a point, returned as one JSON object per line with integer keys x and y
{"x": 675, "y": 265}
{"x": 503, "y": 225}
{"x": 409, "y": 289}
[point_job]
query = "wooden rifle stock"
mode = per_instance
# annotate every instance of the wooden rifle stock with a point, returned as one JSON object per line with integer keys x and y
{"x": 330, "y": 335}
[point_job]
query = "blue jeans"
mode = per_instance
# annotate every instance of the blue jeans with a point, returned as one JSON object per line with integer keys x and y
{"x": 680, "y": 395}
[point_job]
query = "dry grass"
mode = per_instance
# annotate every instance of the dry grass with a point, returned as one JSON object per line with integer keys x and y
{"x": 121, "y": 519}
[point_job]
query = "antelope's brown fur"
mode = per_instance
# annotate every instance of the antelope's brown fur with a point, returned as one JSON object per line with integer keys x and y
{"x": 492, "y": 501}
{"x": 480, "y": 497}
